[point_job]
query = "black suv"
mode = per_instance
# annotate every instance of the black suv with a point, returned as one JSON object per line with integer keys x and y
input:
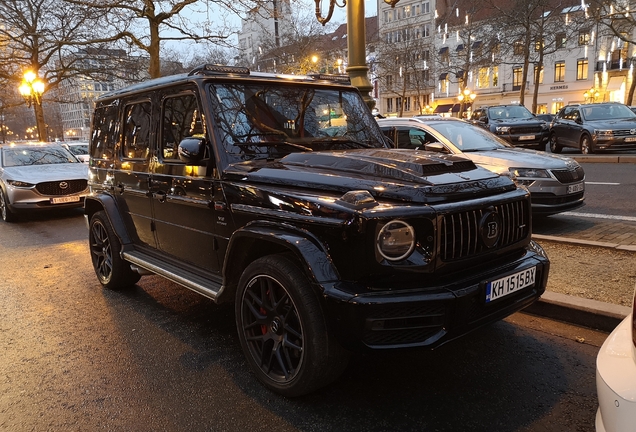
{"x": 514, "y": 123}
{"x": 280, "y": 194}
{"x": 594, "y": 127}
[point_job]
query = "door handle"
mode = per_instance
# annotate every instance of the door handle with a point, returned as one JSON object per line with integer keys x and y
{"x": 119, "y": 188}
{"x": 160, "y": 196}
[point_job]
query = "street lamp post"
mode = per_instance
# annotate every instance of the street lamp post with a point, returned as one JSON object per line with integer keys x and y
{"x": 465, "y": 97}
{"x": 591, "y": 95}
{"x": 32, "y": 89}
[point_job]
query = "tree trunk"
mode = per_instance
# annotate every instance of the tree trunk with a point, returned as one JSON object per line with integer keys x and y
{"x": 154, "y": 67}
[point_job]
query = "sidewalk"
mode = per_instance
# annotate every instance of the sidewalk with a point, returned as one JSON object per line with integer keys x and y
{"x": 584, "y": 229}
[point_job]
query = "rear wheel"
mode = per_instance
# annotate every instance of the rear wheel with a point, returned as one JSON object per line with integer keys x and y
{"x": 554, "y": 145}
{"x": 5, "y": 212}
{"x": 282, "y": 328}
{"x": 586, "y": 144}
{"x": 112, "y": 271}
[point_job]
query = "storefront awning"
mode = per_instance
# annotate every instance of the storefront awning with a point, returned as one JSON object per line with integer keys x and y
{"x": 442, "y": 50}
{"x": 460, "y": 47}
{"x": 614, "y": 84}
{"x": 443, "y": 76}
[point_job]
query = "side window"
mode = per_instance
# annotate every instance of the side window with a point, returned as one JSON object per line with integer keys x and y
{"x": 136, "y": 143}
{"x": 105, "y": 132}
{"x": 419, "y": 138}
{"x": 180, "y": 118}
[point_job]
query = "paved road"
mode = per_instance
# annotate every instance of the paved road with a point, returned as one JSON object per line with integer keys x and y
{"x": 161, "y": 358}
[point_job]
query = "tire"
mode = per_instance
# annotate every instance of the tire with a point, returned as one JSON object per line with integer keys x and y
{"x": 112, "y": 271}
{"x": 282, "y": 329}
{"x": 554, "y": 145}
{"x": 5, "y": 212}
{"x": 586, "y": 145}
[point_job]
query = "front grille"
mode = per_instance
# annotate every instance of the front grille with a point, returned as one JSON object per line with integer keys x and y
{"x": 55, "y": 188}
{"x": 569, "y": 176}
{"x": 461, "y": 232}
{"x": 525, "y": 130}
{"x": 623, "y": 132}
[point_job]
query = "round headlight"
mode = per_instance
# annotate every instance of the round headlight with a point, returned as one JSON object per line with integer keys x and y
{"x": 396, "y": 240}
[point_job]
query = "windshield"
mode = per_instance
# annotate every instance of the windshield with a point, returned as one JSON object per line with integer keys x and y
{"x": 606, "y": 112}
{"x": 260, "y": 120}
{"x": 78, "y": 149}
{"x": 21, "y": 156}
{"x": 509, "y": 112}
{"x": 467, "y": 137}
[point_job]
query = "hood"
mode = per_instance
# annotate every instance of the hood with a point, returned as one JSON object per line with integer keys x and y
{"x": 626, "y": 123}
{"x": 44, "y": 173}
{"x": 520, "y": 158}
{"x": 527, "y": 120}
{"x": 396, "y": 174}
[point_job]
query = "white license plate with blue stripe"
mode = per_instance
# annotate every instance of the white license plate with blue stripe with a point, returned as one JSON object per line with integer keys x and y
{"x": 512, "y": 283}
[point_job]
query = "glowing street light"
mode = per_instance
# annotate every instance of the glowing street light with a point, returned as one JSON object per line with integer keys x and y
{"x": 31, "y": 90}
{"x": 465, "y": 97}
{"x": 591, "y": 95}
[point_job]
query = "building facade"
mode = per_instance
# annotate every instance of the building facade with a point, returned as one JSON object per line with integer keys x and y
{"x": 471, "y": 54}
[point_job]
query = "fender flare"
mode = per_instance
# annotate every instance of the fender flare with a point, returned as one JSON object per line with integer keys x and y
{"x": 95, "y": 203}
{"x": 309, "y": 250}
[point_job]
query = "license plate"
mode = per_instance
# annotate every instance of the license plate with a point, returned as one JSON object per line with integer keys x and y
{"x": 576, "y": 188}
{"x": 526, "y": 137}
{"x": 66, "y": 199}
{"x": 630, "y": 139}
{"x": 512, "y": 283}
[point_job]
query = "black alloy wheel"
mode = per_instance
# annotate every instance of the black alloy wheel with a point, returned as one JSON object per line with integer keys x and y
{"x": 5, "y": 212}
{"x": 282, "y": 329}
{"x": 554, "y": 145}
{"x": 112, "y": 271}
{"x": 586, "y": 144}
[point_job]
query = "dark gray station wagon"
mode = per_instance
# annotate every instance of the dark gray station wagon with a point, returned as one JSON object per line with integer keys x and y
{"x": 281, "y": 195}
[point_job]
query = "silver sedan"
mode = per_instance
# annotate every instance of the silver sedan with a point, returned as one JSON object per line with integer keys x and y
{"x": 556, "y": 183}
{"x": 39, "y": 177}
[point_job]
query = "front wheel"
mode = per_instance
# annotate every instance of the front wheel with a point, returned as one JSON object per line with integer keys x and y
{"x": 282, "y": 328}
{"x": 5, "y": 212}
{"x": 586, "y": 145}
{"x": 112, "y": 271}
{"x": 554, "y": 145}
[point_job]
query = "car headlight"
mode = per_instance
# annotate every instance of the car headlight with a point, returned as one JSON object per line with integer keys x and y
{"x": 503, "y": 129}
{"x": 530, "y": 172}
{"x": 603, "y": 132}
{"x": 20, "y": 184}
{"x": 396, "y": 240}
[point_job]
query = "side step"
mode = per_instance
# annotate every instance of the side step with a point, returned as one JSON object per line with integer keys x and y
{"x": 188, "y": 279}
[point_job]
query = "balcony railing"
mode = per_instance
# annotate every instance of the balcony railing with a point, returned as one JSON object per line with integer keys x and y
{"x": 614, "y": 64}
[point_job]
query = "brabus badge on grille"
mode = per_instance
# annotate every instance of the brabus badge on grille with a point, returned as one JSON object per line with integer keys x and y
{"x": 632, "y": 131}
{"x": 489, "y": 229}
{"x": 63, "y": 185}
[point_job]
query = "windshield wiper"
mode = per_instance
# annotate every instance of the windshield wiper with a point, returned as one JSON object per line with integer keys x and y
{"x": 340, "y": 140}
{"x": 272, "y": 144}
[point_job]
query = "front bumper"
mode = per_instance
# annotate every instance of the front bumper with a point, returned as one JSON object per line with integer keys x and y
{"x": 616, "y": 381}
{"x": 613, "y": 143}
{"x": 530, "y": 139}
{"x": 550, "y": 196}
{"x": 429, "y": 316}
{"x": 22, "y": 199}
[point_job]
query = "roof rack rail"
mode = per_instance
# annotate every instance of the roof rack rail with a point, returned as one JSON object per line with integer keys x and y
{"x": 219, "y": 69}
{"x": 331, "y": 77}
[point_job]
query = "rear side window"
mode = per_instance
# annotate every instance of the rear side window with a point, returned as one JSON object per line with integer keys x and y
{"x": 181, "y": 118}
{"x": 105, "y": 132}
{"x": 136, "y": 142}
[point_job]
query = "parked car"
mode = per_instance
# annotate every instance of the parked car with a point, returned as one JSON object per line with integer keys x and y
{"x": 616, "y": 378}
{"x": 224, "y": 180}
{"x": 39, "y": 177}
{"x": 79, "y": 149}
{"x": 546, "y": 117}
{"x": 556, "y": 183}
{"x": 514, "y": 123}
{"x": 594, "y": 127}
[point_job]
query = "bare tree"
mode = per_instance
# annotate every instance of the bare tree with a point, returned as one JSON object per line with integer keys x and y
{"x": 618, "y": 21}
{"x": 404, "y": 65}
{"x": 145, "y": 24}
{"x": 36, "y": 36}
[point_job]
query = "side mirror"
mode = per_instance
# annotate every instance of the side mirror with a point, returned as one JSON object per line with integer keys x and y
{"x": 483, "y": 119}
{"x": 191, "y": 150}
{"x": 435, "y": 147}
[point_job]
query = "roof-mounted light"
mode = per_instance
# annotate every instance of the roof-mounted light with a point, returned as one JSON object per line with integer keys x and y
{"x": 219, "y": 69}
{"x": 329, "y": 77}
